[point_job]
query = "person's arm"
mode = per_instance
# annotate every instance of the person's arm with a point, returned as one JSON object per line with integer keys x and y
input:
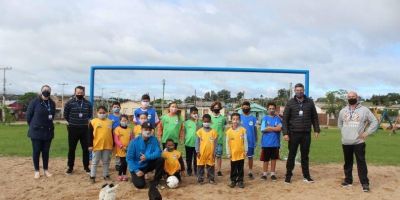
{"x": 373, "y": 123}
{"x": 130, "y": 154}
{"x": 157, "y": 120}
{"x": 117, "y": 140}
{"x": 181, "y": 163}
{"x": 286, "y": 117}
{"x": 67, "y": 110}
{"x": 263, "y": 126}
{"x": 160, "y": 130}
{"x": 30, "y": 111}
{"x": 255, "y": 132}
{"x": 197, "y": 145}
{"x": 246, "y": 145}
{"x": 228, "y": 147}
{"x": 182, "y": 133}
{"x": 314, "y": 118}
{"x": 90, "y": 135}
{"x": 156, "y": 151}
{"x": 340, "y": 119}
{"x": 90, "y": 114}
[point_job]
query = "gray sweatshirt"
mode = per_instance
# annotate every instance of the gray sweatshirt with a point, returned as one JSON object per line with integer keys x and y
{"x": 353, "y": 123}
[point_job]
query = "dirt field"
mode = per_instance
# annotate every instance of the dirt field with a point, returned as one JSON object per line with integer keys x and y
{"x": 17, "y": 182}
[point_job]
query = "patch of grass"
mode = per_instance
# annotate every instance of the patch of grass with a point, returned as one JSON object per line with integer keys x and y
{"x": 382, "y": 149}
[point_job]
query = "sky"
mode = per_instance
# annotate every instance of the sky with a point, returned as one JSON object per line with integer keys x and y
{"x": 351, "y": 45}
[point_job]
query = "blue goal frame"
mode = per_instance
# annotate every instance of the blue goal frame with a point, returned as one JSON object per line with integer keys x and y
{"x": 93, "y": 69}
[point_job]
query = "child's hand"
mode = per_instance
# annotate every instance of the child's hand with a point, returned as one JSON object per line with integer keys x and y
{"x": 198, "y": 155}
{"x": 142, "y": 157}
{"x": 245, "y": 154}
{"x": 139, "y": 173}
{"x": 183, "y": 173}
{"x": 90, "y": 148}
{"x": 228, "y": 156}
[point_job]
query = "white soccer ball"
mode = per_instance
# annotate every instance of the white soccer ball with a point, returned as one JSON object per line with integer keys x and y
{"x": 172, "y": 182}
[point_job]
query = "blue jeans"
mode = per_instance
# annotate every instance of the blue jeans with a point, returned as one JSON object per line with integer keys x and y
{"x": 40, "y": 146}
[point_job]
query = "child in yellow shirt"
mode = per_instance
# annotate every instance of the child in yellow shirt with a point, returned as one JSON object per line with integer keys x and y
{"x": 236, "y": 150}
{"x": 100, "y": 142}
{"x": 137, "y": 130}
{"x": 122, "y": 136}
{"x": 173, "y": 162}
{"x": 205, "y": 149}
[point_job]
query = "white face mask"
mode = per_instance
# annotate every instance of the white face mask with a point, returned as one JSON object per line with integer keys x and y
{"x": 146, "y": 134}
{"x": 145, "y": 104}
{"x": 102, "y": 116}
{"x": 206, "y": 125}
{"x": 124, "y": 124}
{"x": 173, "y": 110}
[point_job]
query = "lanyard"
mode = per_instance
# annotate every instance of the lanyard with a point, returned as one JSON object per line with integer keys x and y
{"x": 351, "y": 112}
{"x": 47, "y": 105}
{"x": 300, "y": 103}
{"x": 81, "y": 106}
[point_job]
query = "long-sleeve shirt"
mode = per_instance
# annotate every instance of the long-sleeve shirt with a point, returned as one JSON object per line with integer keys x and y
{"x": 353, "y": 123}
{"x": 149, "y": 148}
{"x": 78, "y": 112}
{"x": 40, "y": 115}
{"x": 236, "y": 143}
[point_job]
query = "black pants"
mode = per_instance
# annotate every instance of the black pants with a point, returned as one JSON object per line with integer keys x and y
{"x": 191, "y": 158}
{"x": 163, "y": 146}
{"x": 157, "y": 165}
{"x": 40, "y": 146}
{"x": 237, "y": 172}
{"x": 76, "y": 134}
{"x": 123, "y": 167}
{"x": 304, "y": 140}
{"x": 359, "y": 151}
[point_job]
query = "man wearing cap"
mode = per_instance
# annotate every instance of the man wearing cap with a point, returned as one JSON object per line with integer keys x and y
{"x": 143, "y": 156}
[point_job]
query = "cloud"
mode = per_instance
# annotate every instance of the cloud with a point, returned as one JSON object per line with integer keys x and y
{"x": 345, "y": 44}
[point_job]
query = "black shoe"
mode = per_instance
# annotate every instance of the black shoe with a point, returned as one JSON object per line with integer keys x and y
{"x": 287, "y": 179}
{"x": 308, "y": 180}
{"x": 200, "y": 181}
{"x": 189, "y": 173}
{"x": 212, "y": 182}
{"x": 273, "y": 178}
{"x": 251, "y": 176}
{"x": 263, "y": 177}
{"x": 219, "y": 173}
{"x": 92, "y": 179}
{"x": 365, "y": 188}
{"x": 346, "y": 184}
{"x": 106, "y": 178}
{"x": 69, "y": 171}
{"x": 232, "y": 184}
{"x": 117, "y": 168}
{"x": 87, "y": 170}
{"x": 241, "y": 185}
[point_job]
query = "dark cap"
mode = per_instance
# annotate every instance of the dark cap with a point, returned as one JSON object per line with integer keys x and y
{"x": 147, "y": 125}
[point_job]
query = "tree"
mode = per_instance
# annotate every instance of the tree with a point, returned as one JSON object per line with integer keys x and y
{"x": 224, "y": 95}
{"x": 26, "y": 98}
{"x": 335, "y": 101}
{"x": 283, "y": 97}
{"x": 239, "y": 96}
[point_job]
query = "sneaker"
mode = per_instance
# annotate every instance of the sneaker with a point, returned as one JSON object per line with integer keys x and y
{"x": 47, "y": 173}
{"x": 87, "y": 170}
{"x": 251, "y": 176}
{"x": 273, "y": 178}
{"x": 36, "y": 175}
{"x": 189, "y": 173}
{"x": 365, "y": 188}
{"x": 241, "y": 184}
{"x": 287, "y": 179}
{"x": 232, "y": 184}
{"x": 263, "y": 177}
{"x": 120, "y": 178}
{"x": 200, "y": 181}
{"x": 69, "y": 171}
{"x": 125, "y": 178}
{"x": 219, "y": 173}
{"x": 160, "y": 187}
{"x": 212, "y": 182}
{"x": 92, "y": 179}
{"x": 106, "y": 177}
{"x": 308, "y": 180}
{"x": 346, "y": 184}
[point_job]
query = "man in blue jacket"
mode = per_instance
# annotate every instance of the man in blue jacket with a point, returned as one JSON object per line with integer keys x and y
{"x": 143, "y": 156}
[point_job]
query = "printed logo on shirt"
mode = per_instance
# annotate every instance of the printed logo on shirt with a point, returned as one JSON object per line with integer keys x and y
{"x": 176, "y": 121}
{"x": 211, "y": 138}
{"x": 251, "y": 123}
{"x": 149, "y": 117}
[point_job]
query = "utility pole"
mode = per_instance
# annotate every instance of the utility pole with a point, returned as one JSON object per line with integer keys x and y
{"x": 163, "y": 92}
{"x": 62, "y": 99}
{"x": 4, "y": 91}
{"x": 195, "y": 98}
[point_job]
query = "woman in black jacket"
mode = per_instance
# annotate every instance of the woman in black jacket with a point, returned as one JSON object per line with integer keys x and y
{"x": 40, "y": 115}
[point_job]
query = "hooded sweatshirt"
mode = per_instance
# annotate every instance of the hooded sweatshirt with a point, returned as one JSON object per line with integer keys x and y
{"x": 353, "y": 123}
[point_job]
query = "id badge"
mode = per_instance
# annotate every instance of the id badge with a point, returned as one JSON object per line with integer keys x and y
{"x": 80, "y": 115}
{"x": 50, "y": 117}
{"x": 301, "y": 113}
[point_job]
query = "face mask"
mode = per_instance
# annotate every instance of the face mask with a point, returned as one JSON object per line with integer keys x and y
{"x": 216, "y": 110}
{"x": 206, "y": 125}
{"x": 195, "y": 116}
{"x": 236, "y": 122}
{"x": 299, "y": 94}
{"x": 173, "y": 110}
{"x": 142, "y": 121}
{"x": 102, "y": 116}
{"x": 246, "y": 110}
{"x": 124, "y": 124}
{"x": 272, "y": 112}
{"x": 145, "y": 104}
{"x": 170, "y": 148}
{"x": 46, "y": 93}
{"x": 352, "y": 101}
{"x": 79, "y": 96}
{"x": 146, "y": 134}
{"x": 116, "y": 110}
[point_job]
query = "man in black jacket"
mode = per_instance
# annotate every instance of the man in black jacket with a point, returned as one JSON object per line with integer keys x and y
{"x": 298, "y": 116}
{"x": 78, "y": 112}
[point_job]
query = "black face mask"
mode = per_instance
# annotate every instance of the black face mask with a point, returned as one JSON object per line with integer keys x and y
{"x": 246, "y": 110}
{"x": 352, "y": 101}
{"x": 216, "y": 111}
{"x": 79, "y": 97}
{"x": 46, "y": 93}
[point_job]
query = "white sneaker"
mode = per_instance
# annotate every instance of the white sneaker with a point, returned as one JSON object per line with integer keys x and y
{"x": 37, "y": 175}
{"x": 47, "y": 173}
